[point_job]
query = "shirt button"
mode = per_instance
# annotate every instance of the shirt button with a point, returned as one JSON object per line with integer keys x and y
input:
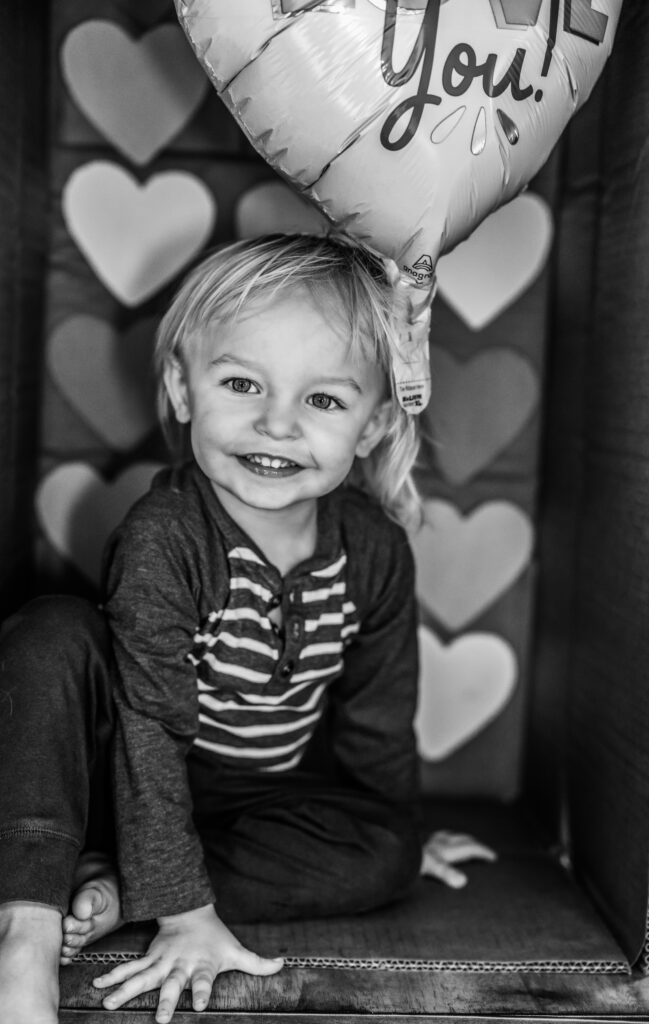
{"x": 287, "y": 669}
{"x": 296, "y": 629}
{"x": 275, "y": 601}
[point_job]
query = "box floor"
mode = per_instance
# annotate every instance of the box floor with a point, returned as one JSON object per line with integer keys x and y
{"x": 521, "y": 942}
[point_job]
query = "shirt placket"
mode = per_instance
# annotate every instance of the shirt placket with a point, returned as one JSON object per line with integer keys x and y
{"x": 293, "y": 623}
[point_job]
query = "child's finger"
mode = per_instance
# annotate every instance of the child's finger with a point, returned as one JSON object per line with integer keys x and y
{"x": 252, "y": 963}
{"x": 469, "y": 851}
{"x": 122, "y": 972}
{"x": 460, "y": 839}
{"x": 445, "y": 840}
{"x": 170, "y": 991}
{"x": 202, "y": 982}
{"x": 436, "y": 867}
{"x": 454, "y": 847}
{"x": 145, "y": 981}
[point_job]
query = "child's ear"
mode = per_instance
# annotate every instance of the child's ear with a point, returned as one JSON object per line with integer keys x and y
{"x": 176, "y": 385}
{"x": 375, "y": 430}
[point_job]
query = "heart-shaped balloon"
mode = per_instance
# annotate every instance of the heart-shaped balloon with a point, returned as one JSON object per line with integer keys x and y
{"x": 406, "y": 121}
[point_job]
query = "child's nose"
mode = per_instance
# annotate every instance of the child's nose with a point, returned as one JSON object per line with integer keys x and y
{"x": 278, "y": 420}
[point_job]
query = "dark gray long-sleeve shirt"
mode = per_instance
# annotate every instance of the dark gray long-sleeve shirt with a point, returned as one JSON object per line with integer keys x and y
{"x": 186, "y": 593}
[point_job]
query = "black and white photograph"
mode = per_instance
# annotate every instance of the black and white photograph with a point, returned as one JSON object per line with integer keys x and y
{"x": 324, "y": 511}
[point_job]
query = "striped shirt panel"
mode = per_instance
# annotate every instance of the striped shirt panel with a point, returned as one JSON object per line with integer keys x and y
{"x": 252, "y": 715}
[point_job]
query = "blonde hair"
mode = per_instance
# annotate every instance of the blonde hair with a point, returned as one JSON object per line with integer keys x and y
{"x": 346, "y": 279}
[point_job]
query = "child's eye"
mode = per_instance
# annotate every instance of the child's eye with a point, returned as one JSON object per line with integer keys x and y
{"x": 242, "y": 385}
{"x": 322, "y": 401}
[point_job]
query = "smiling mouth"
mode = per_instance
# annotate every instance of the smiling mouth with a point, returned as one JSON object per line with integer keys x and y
{"x": 269, "y": 465}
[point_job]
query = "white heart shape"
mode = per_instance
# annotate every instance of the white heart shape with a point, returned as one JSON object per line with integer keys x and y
{"x": 274, "y": 207}
{"x": 138, "y": 93}
{"x": 136, "y": 237}
{"x": 498, "y": 261}
{"x": 78, "y": 509}
{"x": 465, "y": 562}
{"x": 462, "y": 688}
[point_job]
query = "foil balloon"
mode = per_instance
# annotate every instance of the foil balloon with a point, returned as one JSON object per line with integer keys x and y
{"x": 405, "y": 121}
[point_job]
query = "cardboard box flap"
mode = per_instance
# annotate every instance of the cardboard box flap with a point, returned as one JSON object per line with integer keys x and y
{"x": 607, "y": 744}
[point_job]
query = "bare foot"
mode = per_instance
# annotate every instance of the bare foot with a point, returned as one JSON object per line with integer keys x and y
{"x": 95, "y": 907}
{"x": 30, "y": 945}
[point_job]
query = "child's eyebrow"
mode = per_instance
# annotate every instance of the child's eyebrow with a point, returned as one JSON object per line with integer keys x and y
{"x": 237, "y": 360}
{"x": 227, "y": 359}
{"x": 344, "y": 381}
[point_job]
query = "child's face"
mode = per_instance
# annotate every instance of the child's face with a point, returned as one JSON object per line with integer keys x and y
{"x": 277, "y": 406}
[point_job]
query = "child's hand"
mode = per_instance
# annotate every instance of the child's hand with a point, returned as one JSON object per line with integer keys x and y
{"x": 189, "y": 951}
{"x": 443, "y": 849}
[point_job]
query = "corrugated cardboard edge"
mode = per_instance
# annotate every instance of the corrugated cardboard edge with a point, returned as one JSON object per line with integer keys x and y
{"x": 462, "y": 966}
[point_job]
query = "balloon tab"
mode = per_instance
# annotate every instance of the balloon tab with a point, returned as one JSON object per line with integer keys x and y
{"x": 413, "y": 395}
{"x": 421, "y": 272}
{"x": 411, "y": 354}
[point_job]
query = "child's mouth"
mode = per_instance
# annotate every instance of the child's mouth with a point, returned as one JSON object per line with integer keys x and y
{"x": 269, "y": 465}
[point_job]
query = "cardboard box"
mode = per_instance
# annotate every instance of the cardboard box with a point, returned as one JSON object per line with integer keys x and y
{"x": 570, "y": 891}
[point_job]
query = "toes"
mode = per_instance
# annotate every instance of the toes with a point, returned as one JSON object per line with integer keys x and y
{"x": 87, "y": 903}
{"x": 94, "y": 911}
{"x": 73, "y": 943}
{"x": 94, "y": 908}
{"x": 73, "y": 926}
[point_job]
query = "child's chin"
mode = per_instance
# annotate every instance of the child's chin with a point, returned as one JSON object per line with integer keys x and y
{"x": 282, "y": 498}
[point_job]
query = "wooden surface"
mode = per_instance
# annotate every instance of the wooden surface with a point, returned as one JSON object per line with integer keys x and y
{"x": 79, "y": 1017}
{"x": 308, "y": 996}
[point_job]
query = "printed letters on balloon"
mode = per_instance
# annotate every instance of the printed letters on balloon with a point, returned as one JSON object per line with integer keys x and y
{"x": 462, "y": 66}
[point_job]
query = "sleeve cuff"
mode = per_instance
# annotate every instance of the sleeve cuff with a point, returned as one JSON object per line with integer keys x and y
{"x": 163, "y": 902}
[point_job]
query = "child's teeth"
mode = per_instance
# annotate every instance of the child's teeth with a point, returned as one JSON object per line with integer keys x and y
{"x": 265, "y": 460}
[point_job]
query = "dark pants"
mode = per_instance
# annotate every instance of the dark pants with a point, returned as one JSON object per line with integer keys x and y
{"x": 287, "y": 847}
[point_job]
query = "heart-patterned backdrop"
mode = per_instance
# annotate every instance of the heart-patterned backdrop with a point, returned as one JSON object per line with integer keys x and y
{"x": 149, "y": 170}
